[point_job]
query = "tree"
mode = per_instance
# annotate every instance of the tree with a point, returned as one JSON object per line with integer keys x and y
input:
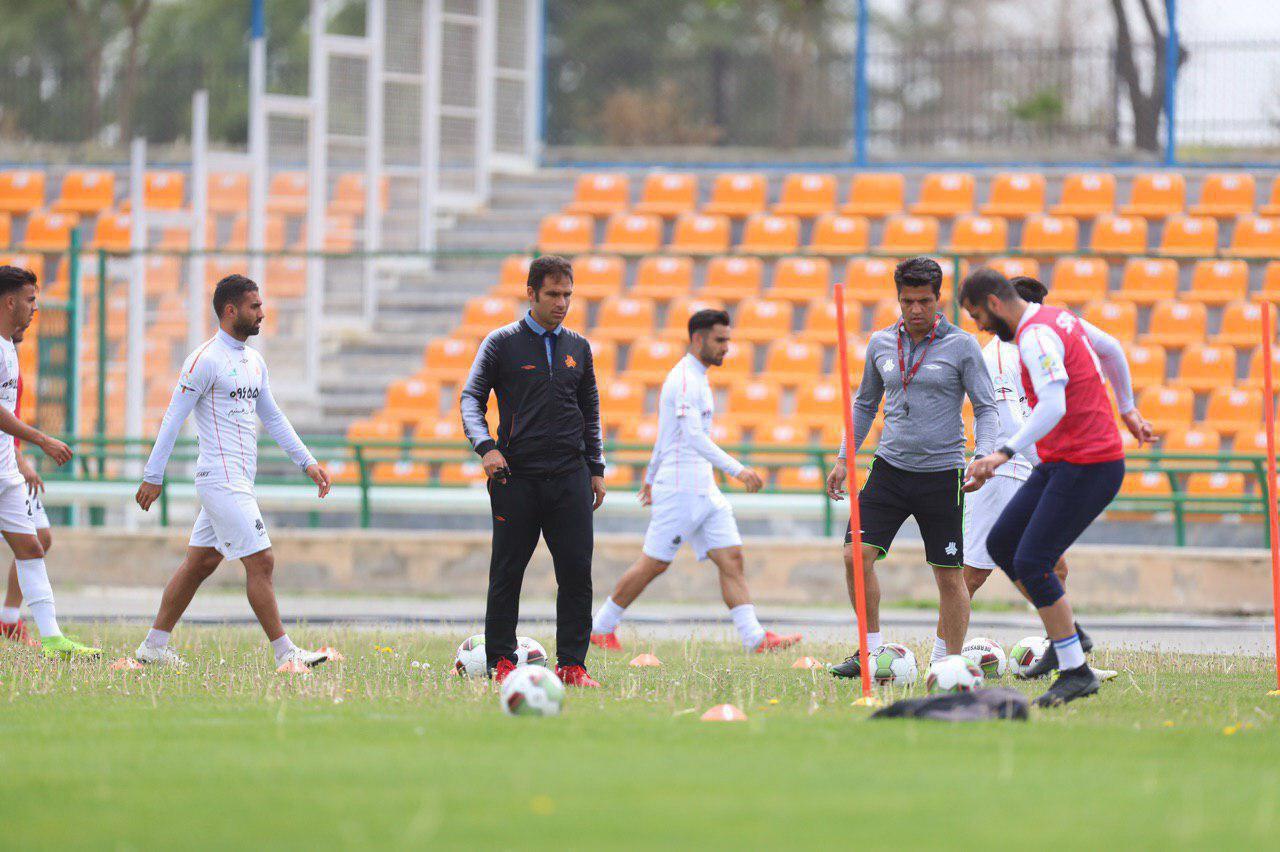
{"x": 135, "y": 12}
{"x": 1147, "y": 103}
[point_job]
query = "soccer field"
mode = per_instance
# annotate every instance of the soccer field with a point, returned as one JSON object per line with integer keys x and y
{"x": 389, "y": 748}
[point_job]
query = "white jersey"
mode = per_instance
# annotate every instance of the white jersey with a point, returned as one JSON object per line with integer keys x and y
{"x": 1005, "y": 367}
{"x": 684, "y": 454}
{"x": 225, "y": 383}
{"x": 9, "y": 399}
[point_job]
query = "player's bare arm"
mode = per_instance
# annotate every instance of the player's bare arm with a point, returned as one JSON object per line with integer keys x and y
{"x": 52, "y": 447}
{"x": 35, "y": 484}
{"x": 597, "y": 492}
{"x": 320, "y": 477}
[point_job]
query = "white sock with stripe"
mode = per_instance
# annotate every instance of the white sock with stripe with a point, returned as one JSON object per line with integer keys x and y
{"x": 607, "y": 619}
{"x": 1070, "y": 654}
{"x": 744, "y": 618}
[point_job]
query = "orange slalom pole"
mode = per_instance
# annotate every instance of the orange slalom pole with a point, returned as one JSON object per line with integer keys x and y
{"x": 855, "y": 520}
{"x": 1269, "y": 417}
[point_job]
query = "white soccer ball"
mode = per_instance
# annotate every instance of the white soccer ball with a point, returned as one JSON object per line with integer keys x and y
{"x": 529, "y": 652}
{"x": 1027, "y": 653}
{"x": 953, "y": 673}
{"x": 988, "y": 656}
{"x": 532, "y": 691}
{"x": 470, "y": 660}
{"x": 894, "y": 663}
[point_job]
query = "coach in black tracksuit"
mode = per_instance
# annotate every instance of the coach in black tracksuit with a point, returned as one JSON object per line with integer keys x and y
{"x": 546, "y": 470}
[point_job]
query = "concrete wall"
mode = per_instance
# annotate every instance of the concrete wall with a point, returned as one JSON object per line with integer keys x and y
{"x": 806, "y": 571}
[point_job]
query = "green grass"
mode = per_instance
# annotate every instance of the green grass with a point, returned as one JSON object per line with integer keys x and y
{"x": 379, "y": 752}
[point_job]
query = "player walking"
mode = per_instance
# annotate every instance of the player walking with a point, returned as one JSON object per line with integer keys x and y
{"x": 1081, "y": 461}
{"x": 18, "y": 305}
{"x": 922, "y": 366}
{"x": 687, "y": 504}
{"x": 225, "y": 383}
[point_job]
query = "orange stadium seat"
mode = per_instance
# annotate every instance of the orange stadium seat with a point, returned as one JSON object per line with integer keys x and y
{"x": 286, "y": 277}
{"x": 621, "y": 400}
{"x": 1087, "y": 195}
{"x": 113, "y": 231}
{"x": 164, "y": 190}
{"x": 876, "y": 195}
{"x": 701, "y": 234}
{"x": 733, "y": 278}
{"x": 600, "y": 195}
{"x": 868, "y": 279}
{"x": 761, "y": 320}
{"x": 806, "y": 196}
{"x": 781, "y": 434}
{"x": 1242, "y": 324}
{"x": 632, "y": 233}
{"x": 738, "y": 195}
{"x": 273, "y": 234}
{"x": 772, "y": 235}
{"x": 217, "y": 267}
{"x": 1216, "y": 282}
{"x": 885, "y": 313}
{"x": 1015, "y": 195}
{"x": 1167, "y": 407}
{"x": 21, "y": 191}
{"x": 1050, "y": 234}
{"x": 945, "y": 194}
{"x": 1012, "y": 267}
{"x": 1234, "y": 410}
{"x": 287, "y": 194}
{"x": 412, "y": 400}
{"x": 229, "y": 192}
{"x": 979, "y": 235}
{"x": 793, "y": 359}
{"x": 755, "y": 403}
{"x": 820, "y": 322}
{"x": 86, "y": 191}
{"x": 444, "y": 430}
{"x": 1147, "y": 364}
{"x": 449, "y": 359}
{"x": 739, "y": 361}
{"x": 651, "y": 360}
{"x": 620, "y": 476}
{"x": 910, "y": 235}
{"x": 1114, "y": 235}
{"x": 1177, "y": 324}
{"x": 624, "y": 319}
{"x": 1255, "y": 236}
{"x": 604, "y": 357}
{"x": 801, "y": 477}
{"x": 1189, "y": 235}
{"x": 164, "y": 274}
{"x": 1220, "y": 484}
{"x": 340, "y": 234}
{"x": 1116, "y": 317}
{"x": 800, "y": 279}
{"x": 400, "y": 472}
{"x": 668, "y": 195}
{"x": 513, "y": 279}
{"x": 1076, "y": 280}
{"x": 1145, "y": 483}
{"x": 1205, "y": 366}
{"x": 1252, "y": 443}
{"x": 1270, "y": 291}
{"x": 1190, "y": 440}
{"x": 663, "y": 277}
{"x": 837, "y": 234}
{"x": 485, "y": 313}
{"x": 818, "y": 400}
{"x": 596, "y": 276}
{"x": 49, "y": 231}
{"x": 566, "y": 234}
{"x": 376, "y": 430}
{"x": 1272, "y": 207}
{"x": 349, "y": 196}
{"x": 1226, "y": 195}
{"x": 681, "y": 309}
{"x": 1156, "y": 195}
{"x": 1146, "y": 280}
{"x": 467, "y": 473}
{"x": 642, "y": 433}
{"x": 6, "y": 229}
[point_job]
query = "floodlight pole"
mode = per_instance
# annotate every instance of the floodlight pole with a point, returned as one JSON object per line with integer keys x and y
{"x": 860, "y": 88}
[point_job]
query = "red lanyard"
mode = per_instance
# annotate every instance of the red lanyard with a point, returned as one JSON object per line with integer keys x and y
{"x": 908, "y": 376}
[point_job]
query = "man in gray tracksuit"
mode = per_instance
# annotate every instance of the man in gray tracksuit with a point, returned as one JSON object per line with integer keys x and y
{"x": 922, "y": 366}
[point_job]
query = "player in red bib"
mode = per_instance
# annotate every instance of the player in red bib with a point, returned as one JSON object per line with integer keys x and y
{"x": 1081, "y": 461}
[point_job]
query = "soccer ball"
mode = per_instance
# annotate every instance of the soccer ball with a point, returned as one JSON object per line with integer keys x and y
{"x": 1027, "y": 653}
{"x": 894, "y": 663}
{"x": 470, "y": 660}
{"x": 953, "y": 673}
{"x": 532, "y": 691}
{"x": 529, "y": 652}
{"x": 988, "y": 656}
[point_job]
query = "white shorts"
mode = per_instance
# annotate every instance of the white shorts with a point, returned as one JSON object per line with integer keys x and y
{"x": 705, "y": 521}
{"x": 38, "y": 515}
{"x": 981, "y": 508}
{"x": 229, "y": 520}
{"x": 16, "y": 512}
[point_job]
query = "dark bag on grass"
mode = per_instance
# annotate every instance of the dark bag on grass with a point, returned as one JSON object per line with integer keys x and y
{"x": 960, "y": 706}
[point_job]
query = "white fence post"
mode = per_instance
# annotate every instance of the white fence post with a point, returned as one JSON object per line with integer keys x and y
{"x": 376, "y": 33}
{"x": 317, "y": 193}
{"x": 196, "y": 308}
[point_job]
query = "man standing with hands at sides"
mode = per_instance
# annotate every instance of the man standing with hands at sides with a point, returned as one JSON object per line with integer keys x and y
{"x": 225, "y": 383}
{"x": 18, "y": 305}
{"x": 923, "y": 366}
{"x": 687, "y": 506}
{"x": 1081, "y": 461}
{"x": 546, "y": 468}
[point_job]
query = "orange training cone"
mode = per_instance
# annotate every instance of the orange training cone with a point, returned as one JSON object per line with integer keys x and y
{"x": 806, "y": 663}
{"x": 334, "y": 655}
{"x": 294, "y": 667}
{"x": 125, "y": 664}
{"x": 646, "y": 661}
{"x": 724, "y": 713}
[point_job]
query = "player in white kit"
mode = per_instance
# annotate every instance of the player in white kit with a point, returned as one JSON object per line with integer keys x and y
{"x": 18, "y": 304}
{"x": 225, "y": 383}
{"x": 687, "y": 504}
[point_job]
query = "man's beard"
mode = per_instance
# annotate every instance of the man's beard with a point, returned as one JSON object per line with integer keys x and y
{"x": 248, "y": 328}
{"x": 1002, "y": 329}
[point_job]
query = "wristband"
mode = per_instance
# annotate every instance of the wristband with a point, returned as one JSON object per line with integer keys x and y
{"x": 1007, "y": 450}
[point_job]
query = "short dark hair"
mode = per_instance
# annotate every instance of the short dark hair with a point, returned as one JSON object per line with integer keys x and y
{"x": 707, "y": 318}
{"x": 1030, "y": 289}
{"x": 984, "y": 282}
{"x": 919, "y": 272}
{"x": 548, "y": 266}
{"x": 231, "y": 290}
{"x": 15, "y": 278}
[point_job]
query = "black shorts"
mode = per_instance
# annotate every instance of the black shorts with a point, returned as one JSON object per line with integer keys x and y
{"x": 935, "y": 499}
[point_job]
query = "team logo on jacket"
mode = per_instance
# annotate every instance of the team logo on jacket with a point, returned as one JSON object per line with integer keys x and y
{"x": 569, "y": 362}
{"x": 529, "y": 367}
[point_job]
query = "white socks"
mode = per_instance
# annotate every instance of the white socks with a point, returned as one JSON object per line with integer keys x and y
{"x": 939, "y": 649}
{"x": 9, "y": 615}
{"x": 282, "y": 646}
{"x": 157, "y": 639}
{"x": 33, "y": 579}
{"x": 744, "y": 618}
{"x": 1070, "y": 654}
{"x": 606, "y": 620}
{"x": 874, "y": 640}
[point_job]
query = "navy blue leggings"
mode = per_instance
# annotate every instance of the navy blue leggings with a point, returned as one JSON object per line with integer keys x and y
{"x": 1053, "y": 507}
